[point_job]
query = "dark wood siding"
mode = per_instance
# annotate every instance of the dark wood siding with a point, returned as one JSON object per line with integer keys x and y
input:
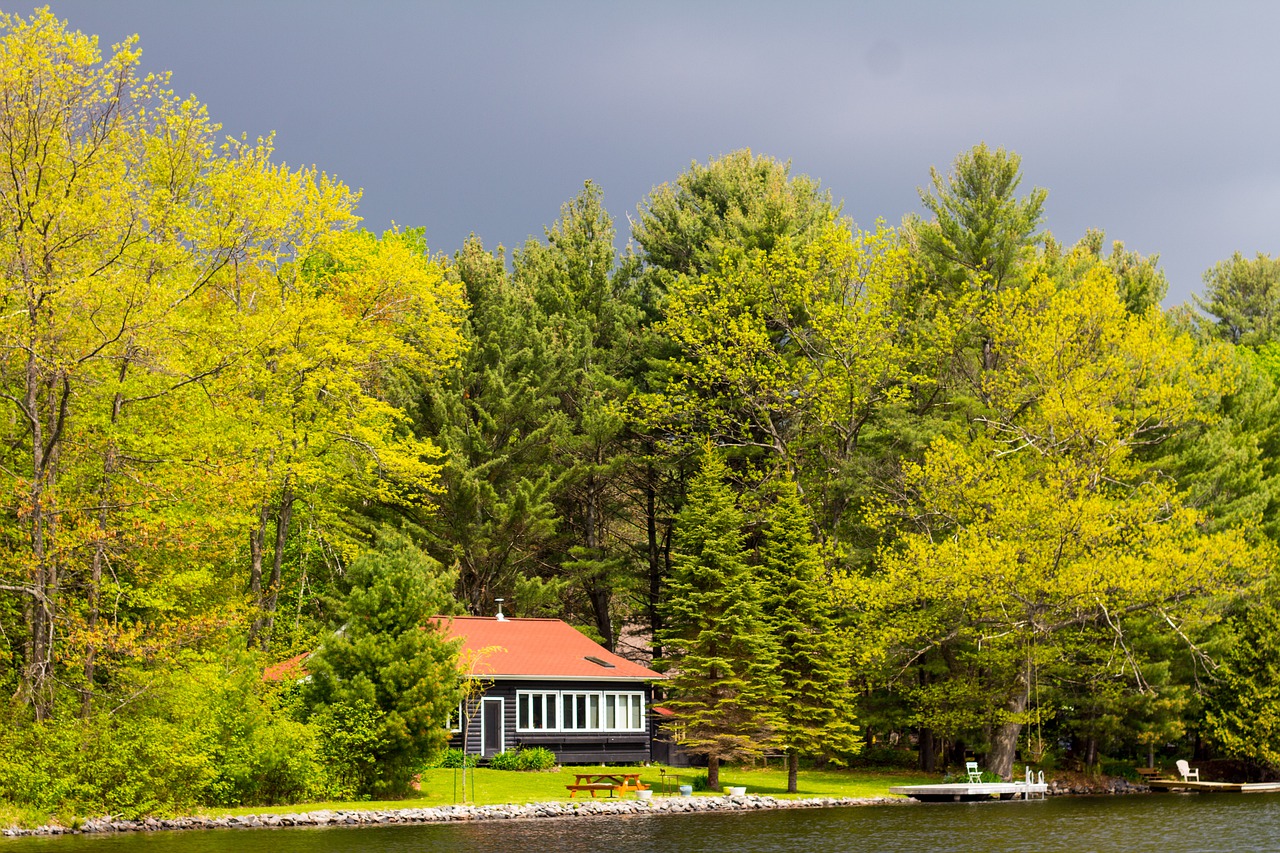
{"x": 569, "y": 747}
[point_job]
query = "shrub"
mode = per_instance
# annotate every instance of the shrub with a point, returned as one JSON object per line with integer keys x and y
{"x": 535, "y": 758}
{"x": 130, "y": 765}
{"x": 526, "y": 759}
{"x": 263, "y": 754}
{"x": 505, "y": 761}
{"x": 1124, "y": 769}
{"x": 451, "y": 759}
{"x": 350, "y": 743}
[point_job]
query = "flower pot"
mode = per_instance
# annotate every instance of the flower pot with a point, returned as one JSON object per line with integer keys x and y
{"x": 737, "y": 790}
{"x": 686, "y": 790}
{"x": 644, "y": 795}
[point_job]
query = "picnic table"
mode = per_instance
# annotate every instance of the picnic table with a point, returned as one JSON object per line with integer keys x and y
{"x": 611, "y": 781}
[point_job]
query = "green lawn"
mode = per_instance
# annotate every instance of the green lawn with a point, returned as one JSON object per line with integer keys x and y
{"x": 487, "y": 787}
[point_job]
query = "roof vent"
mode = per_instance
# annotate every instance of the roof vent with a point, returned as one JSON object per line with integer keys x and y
{"x": 599, "y": 662}
{"x": 500, "y": 617}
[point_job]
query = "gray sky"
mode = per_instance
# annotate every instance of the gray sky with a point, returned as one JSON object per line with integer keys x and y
{"x": 1155, "y": 121}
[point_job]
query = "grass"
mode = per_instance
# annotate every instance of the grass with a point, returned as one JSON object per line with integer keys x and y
{"x": 492, "y": 787}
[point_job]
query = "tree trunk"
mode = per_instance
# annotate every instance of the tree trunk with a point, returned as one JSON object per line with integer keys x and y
{"x": 1004, "y": 740}
{"x": 284, "y": 512}
{"x": 713, "y": 772}
{"x": 793, "y": 772}
{"x": 655, "y": 558}
{"x": 257, "y": 540}
{"x": 600, "y": 598}
{"x": 928, "y": 756}
{"x": 100, "y": 553}
{"x": 37, "y": 683}
{"x": 598, "y": 585}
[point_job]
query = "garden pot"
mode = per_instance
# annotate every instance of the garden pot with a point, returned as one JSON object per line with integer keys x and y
{"x": 644, "y": 795}
{"x": 686, "y": 790}
{"x": 736, "y": 791}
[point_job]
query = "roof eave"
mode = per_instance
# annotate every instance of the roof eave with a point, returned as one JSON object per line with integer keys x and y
{"x": 610, "y": 678}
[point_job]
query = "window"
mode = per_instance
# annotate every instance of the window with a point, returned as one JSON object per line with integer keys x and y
{"x": 579, "y": 711}
{"x": 536, "y": 712}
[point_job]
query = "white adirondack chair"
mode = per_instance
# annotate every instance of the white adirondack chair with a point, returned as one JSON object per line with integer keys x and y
{"x": 1188, "y": 775}
{"x": 975, "y": 775}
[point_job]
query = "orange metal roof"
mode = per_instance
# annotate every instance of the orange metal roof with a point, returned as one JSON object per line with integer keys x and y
{"x": 294, "y": 667}
{"x": 536, "y": 648}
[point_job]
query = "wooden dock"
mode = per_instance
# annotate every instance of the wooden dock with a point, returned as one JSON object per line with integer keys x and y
{"x": 972, "y": 792}
{"x": 1214, "y": 787}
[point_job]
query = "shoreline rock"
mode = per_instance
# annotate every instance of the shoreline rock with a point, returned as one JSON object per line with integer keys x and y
{"x": 454, "y": 814}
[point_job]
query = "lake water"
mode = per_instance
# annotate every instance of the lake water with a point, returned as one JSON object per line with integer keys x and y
{"x": 1168, "y": 823}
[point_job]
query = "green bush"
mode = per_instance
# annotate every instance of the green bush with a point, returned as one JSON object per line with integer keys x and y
{"x": 699, "y": 782}
{"x": 1124, "y": 769}
{"x": 263, "y": 754}
{"x": 126, "y": 764}
{"x": 505, "y": 761}
{"x": 350, "y": 745}
{"x": 213, "y": 734}
{"x": 535, "y": 758}
{"x": 526, "y": 759}
{"x": 451, "y": 759}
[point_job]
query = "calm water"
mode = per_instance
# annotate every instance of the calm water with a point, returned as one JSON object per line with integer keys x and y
{"x": 1160, "y": 824}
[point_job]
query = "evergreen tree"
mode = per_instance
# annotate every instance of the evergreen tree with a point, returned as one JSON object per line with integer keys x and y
{"x": 731, "y": 207}
{"x": 1243, "y": 298}
{"x": 980, "y": 231}
{"x": 582, "y": 303}
{"x": 384, "y": 682}
{"x": 496, "y": 420}
{"x": 816, "y": 702}
{"x": 724, "y": 680}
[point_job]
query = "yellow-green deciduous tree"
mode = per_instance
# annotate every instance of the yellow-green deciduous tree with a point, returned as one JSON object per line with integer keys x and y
{"x": 180, "y": 315}
{"x": 1037, "y": 521}
{"x": 333, "y": 334}
{"x": 790, "y": 355}
{"x": 119, "y": 212}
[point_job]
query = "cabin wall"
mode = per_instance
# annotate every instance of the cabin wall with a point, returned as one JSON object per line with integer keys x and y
{"x": 576, "y": 747}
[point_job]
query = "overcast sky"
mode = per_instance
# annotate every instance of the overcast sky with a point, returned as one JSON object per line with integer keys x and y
{"x": 1155, "y": 121}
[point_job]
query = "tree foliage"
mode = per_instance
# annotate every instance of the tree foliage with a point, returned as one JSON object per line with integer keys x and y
{"x": 1043, "y": 520}
{"x": 816, "y": 701}
{"x": 385, "y": 682}
{"x": 721, "y": 657}
{"x": 1036, "y": 499}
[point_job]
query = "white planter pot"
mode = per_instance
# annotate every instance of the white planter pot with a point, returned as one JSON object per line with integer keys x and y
{"x": 737, "y": 790}
{"x": 644, "y": 795}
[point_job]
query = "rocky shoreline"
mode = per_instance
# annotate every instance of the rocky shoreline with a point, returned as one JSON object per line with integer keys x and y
{"x": 454, "y": 814}
{"x": 530, "y": 811}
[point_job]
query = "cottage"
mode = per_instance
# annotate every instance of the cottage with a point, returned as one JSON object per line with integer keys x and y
{"x": 543, "y": 683}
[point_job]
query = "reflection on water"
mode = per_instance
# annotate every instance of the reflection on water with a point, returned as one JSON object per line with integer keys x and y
{"x": 1170, "y": 823}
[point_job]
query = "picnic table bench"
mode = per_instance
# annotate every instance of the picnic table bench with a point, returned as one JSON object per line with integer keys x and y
{"x": 614, "y": 783}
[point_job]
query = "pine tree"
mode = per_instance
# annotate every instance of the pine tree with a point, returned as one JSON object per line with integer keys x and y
{"x": 722, "y": 658}
{"x": 496, "y": 421}
{"x": 817, "y": 701}
{"x": 387, "y": 679}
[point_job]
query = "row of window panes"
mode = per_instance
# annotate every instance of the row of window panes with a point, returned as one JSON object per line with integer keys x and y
{"x": 566, "y": 712}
